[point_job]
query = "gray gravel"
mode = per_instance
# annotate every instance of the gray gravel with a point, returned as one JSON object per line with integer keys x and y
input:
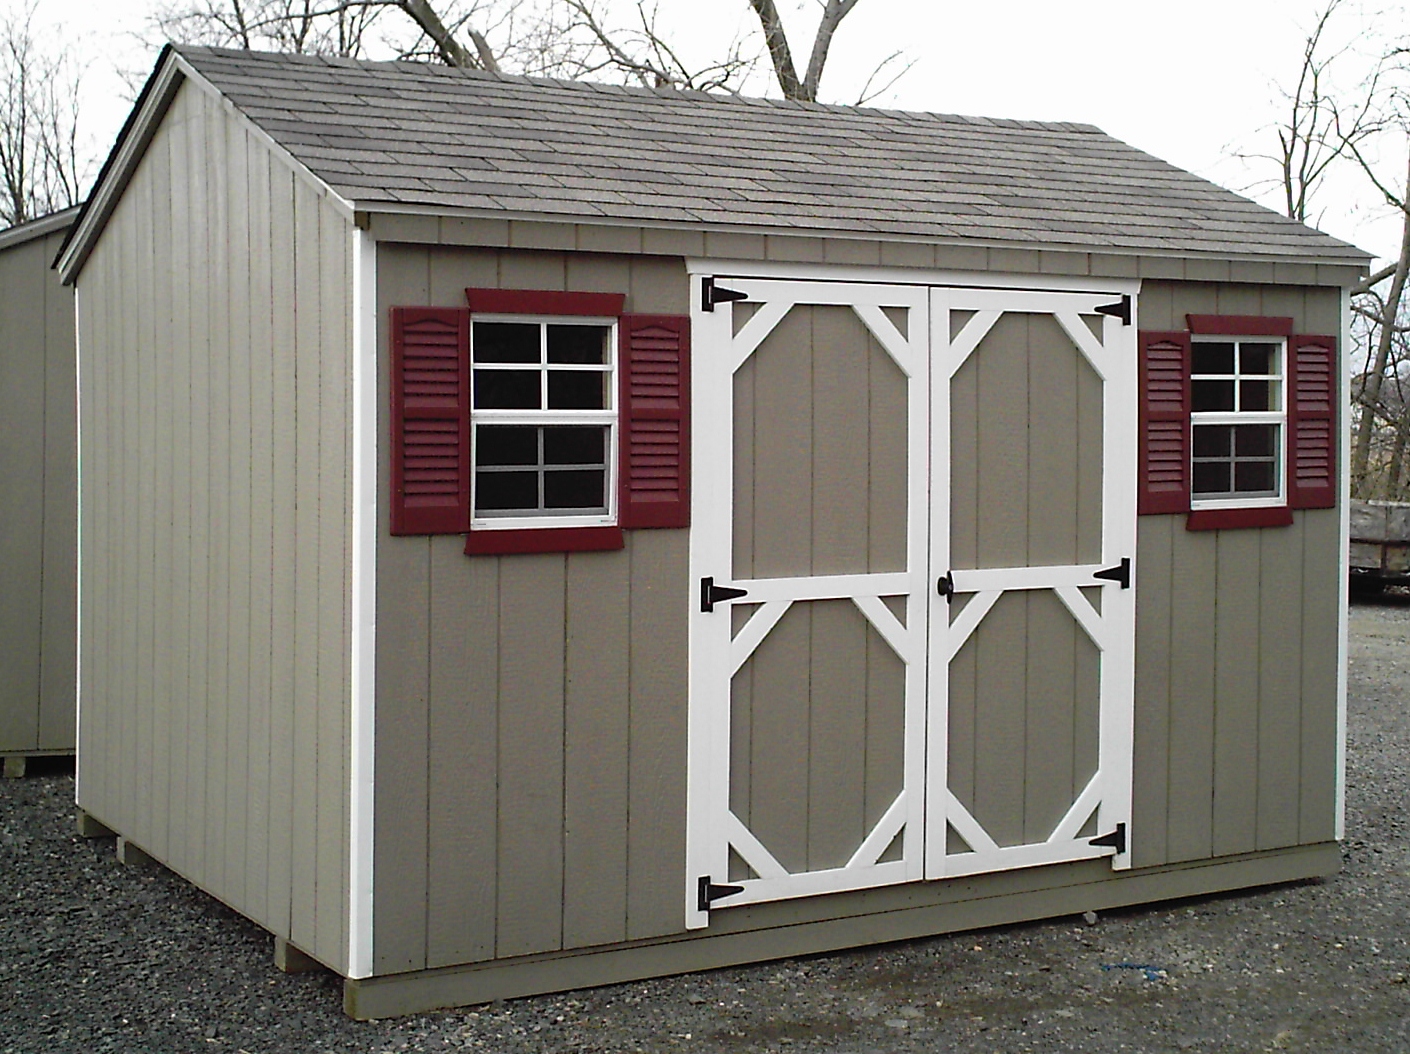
{"x": 95, "y": 956}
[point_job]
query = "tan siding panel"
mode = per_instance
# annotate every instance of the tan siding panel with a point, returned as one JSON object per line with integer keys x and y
{"x": 1236, "y": 695}
{"x": 57, "y": 686}
{"x": 463, "y": 744}
{"x": 1317, "y": 807}
{"x": 531, "y": 647}
{"x": 1151, "y": 761}
{"x": 597, "y": 739}
{"x": 22, "y": 405}
{"x": 1279, "y": 733}
{"x": 1192, "y": 685}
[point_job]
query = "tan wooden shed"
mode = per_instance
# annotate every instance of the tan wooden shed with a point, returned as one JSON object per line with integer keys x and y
{"x": 38, "y": 479}
{"x": 538, "y": 535}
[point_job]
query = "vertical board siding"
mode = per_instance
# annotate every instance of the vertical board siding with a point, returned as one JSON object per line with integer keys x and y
{"x": 37, "y": 477}
{"x": 216, "y": 314}
{"x": 530, "y": 769}
{"x": 1235, "y": 684}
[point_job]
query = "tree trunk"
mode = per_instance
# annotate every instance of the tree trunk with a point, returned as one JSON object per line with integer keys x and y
{"x": 1375, "y": 374}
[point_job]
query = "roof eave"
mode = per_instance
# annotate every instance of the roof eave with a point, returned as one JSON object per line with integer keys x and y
{"x": 31, "y": 230}
{"x": 122, "y": 161}
{"x": 1352, "y": 257}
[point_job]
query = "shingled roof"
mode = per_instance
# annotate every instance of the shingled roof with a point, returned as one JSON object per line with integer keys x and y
{"x": 412, "y": 137}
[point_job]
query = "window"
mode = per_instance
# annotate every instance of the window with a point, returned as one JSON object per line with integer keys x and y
{"x": 538, "y": 421}
{"x": 545, "y": 421}
{"x": 1238, "y": 422}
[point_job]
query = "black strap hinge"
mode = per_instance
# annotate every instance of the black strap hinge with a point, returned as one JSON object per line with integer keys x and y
{"x": 711, "y": 294}
{"x": 1116, "y": 840}
{"x": 709, "y": 892}
{"x": 1121, "y": 310}
{"x": 1120, "y": 573}
{"x": 711, "y": 594}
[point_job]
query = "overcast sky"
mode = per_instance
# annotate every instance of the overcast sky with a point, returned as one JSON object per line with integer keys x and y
{"x": 1195, "y": 83}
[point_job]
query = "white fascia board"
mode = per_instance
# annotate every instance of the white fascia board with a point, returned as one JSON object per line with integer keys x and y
{"x": 363, "y": 584}
{"x": 873, "y": 275}
{"x": 301, "y": 171}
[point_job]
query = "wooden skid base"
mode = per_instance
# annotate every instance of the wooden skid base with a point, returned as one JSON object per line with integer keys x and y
{"x": 14, "y": 766}
{"x": 956, "y": 905}
{"x": 290, "y": 960}
{"x": 90, "y": 827}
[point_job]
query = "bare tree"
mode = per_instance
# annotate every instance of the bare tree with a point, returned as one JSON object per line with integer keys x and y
{"x": 43, "y": 164}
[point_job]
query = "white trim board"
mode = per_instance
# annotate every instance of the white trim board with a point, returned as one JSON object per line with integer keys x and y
{"x": 1344, "y": 559}
{"x": 363, "y": 584}
{"x": 78, "y": 552}
{"x": 868, "y": 274}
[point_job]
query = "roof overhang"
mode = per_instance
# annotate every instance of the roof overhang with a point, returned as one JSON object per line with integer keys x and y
{"x": 28, "y": 232}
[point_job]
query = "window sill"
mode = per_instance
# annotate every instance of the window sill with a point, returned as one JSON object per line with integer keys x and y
{"x": 543, "y": 540}
{"x": 1227, "y": 519}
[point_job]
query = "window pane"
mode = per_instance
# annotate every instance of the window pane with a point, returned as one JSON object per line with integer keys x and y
{"x": 1255, "y": 440}
{"x": 504, "y": 491}
{"x": 1257, "y": 358}
{"x": 507, "y": 389}
{"x": 573, "y": 445}
{"x": 1256, "y": 395}
{"x": 586, "y": 345}
{"x": 577, "y": 390}
{"x": 1254, "y": 477}
{"x": 1213, "y": 358}
{"x": 506, "y": 445}
{"x": 1211, "y": 477}
{"x": 574, "y": 489}
{"x": 1213, "y": 395}
{"x": 1212, "y": 440}
{"x": 506, "y": 341}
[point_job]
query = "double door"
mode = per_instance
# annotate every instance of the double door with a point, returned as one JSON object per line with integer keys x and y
{"x": 913, "y": 523}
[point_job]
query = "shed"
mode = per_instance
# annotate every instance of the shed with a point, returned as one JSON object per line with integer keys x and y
{"x": 543, "y": 534}
{"x": 38, "y": 478}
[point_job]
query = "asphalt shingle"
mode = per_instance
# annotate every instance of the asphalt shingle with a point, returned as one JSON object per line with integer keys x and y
{"x": 389, "y": 134}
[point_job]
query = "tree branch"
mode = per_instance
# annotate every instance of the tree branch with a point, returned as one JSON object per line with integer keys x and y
{"x": 833, "y": 14}
{"x": 777, "y": 43}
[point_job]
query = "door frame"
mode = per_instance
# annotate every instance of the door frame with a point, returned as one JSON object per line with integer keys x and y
{"x": 715, "y": 485}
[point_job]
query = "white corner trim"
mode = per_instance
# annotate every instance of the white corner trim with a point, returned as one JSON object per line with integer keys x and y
{"x": 363, "y": 603}
{"x": 301, "y": 170}
{"x": 1344, "y": 554}
{"x": 78, "y": 550}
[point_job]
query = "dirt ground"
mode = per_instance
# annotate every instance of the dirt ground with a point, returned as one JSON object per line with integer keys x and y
{"x": 95, "y": 956}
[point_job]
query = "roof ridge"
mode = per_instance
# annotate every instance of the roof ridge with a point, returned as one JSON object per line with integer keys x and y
{"x": 668, "y": 93}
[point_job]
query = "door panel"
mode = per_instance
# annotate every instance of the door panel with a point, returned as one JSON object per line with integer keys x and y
{"x": 807, "y": 700}
{"x": 1031, "y": 657}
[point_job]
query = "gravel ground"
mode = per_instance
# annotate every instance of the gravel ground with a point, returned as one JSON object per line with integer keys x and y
{"x": 98, "y": 957}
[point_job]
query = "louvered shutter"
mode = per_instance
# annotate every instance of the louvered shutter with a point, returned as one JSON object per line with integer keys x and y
{"x": 430, "y": 420}
{"x": 1164, "y": 485}
{"x": 655, "y": 421}
{"x": 1312, "y": 419}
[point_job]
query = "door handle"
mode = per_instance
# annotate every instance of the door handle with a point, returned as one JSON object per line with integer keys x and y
{"x": 945, "y": 586}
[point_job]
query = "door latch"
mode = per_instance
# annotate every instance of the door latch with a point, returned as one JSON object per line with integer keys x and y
{"x": 945, "y": 586}
{"x": 1120, "y": 573}
{"x": 711, "y": 594}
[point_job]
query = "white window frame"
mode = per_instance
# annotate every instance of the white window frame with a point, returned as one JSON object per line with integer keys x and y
{"x": 1277, "y": 417}
{"x": 610, "y": 417}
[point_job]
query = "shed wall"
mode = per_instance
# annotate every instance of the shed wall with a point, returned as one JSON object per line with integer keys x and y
{"x": 531, "y": 709}
{"x": 215, "y": 315}
{"x": 38, "y": 448}
{"x": 530, "y": 728}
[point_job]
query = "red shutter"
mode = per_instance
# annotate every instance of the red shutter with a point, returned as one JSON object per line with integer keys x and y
{"x": 1312, "y": 422}
{"x": 430, "y": 420}
{"x": 655, "y": 416}
{"x": 1164, "y": 485}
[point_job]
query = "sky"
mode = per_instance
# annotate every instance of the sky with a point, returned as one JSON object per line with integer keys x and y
{"x": 1196, "y": 83}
